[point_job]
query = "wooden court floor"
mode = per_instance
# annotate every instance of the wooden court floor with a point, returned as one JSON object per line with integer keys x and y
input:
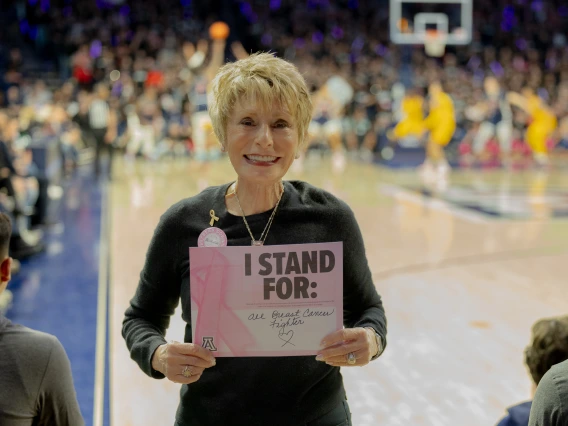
{"x": 461, "y": 285}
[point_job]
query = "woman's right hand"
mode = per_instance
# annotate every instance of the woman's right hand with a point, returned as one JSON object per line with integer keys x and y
{"x": 172, "y": 359}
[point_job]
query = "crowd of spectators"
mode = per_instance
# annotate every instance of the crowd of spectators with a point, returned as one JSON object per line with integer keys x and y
{"x": 141, "y": 50}
{"x": 144, "y": 54}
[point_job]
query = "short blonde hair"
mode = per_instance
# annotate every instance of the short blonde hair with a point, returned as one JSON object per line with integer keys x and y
{"x": 265, "y": 78}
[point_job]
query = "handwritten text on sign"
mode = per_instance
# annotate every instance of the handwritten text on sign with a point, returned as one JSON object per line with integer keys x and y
{"x": 266, "y": 301}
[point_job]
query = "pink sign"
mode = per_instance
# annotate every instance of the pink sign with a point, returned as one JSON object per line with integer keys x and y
{"x": 267, "y": 300}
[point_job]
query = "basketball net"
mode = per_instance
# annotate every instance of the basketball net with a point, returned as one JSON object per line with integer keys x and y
{"x": 435, "y": 43}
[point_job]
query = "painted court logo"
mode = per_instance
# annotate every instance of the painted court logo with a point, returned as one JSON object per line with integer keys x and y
{"x": 208, "y": 343}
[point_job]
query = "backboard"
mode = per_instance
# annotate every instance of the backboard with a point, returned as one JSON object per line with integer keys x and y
{"x": 410, "y": 20}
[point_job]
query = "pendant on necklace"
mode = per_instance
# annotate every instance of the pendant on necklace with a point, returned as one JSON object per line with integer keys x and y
{"x": 256, "y": 243}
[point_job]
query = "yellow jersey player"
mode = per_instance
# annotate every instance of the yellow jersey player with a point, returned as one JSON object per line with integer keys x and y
{"x": 542, "y": 126}
{"x": 412, "y": 123}
{"x": 441, "y": 125}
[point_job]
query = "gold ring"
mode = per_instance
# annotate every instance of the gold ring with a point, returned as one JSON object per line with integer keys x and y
{"x": 351, "y": 359}
{"x": 186, "y": 372}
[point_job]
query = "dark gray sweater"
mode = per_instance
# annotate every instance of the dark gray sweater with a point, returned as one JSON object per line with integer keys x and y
{"x": 36, "y": 385}
{"x": 550, "y": 404}
{"x": 251, "y": 391}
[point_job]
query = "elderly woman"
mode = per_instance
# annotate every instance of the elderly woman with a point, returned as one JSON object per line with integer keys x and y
{"x": 260, "y": 110}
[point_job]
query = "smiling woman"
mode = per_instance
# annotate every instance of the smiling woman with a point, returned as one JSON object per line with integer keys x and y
{"x": 262, "y": 143}
{"x": 260, "y": 110}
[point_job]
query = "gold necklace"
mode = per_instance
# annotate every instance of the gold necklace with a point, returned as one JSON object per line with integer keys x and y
{"x": 264, "y": 234}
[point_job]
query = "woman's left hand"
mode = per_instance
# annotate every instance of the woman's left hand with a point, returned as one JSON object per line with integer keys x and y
{"x": 337, "y": 346}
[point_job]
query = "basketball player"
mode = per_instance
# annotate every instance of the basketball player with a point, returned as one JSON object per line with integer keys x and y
{"x": 542, "y": 126}
{"x": 441, "y": 125}
{"x": 497, "y": 120}
{"x": 205, "y": 143}
{"x": 412, "y": 123}
{"x": 326, "y": 124}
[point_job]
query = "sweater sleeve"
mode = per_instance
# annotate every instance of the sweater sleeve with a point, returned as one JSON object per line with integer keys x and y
{"x": 362, "y": 305}
{"x": 56, "y": 400}
{"x": 157, "y": 296}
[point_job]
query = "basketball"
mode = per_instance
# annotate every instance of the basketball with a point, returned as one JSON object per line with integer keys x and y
{"x": 219, "y": 31}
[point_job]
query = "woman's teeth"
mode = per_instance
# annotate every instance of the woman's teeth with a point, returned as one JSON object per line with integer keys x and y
{"x": 263, "y": 158}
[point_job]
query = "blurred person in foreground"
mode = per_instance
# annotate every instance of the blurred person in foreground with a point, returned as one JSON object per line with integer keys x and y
{"x": 550, "y": 405}
{"x": 261, "y": 111}
{"x": 36, "y": 385}
{"x": 549, "y": 346}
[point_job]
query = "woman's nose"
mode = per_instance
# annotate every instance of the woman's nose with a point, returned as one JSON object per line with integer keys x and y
{"x": 264, "y": 135}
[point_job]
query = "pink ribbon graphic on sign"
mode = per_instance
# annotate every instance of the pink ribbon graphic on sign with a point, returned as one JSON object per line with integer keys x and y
{"x": 208, "y": 289}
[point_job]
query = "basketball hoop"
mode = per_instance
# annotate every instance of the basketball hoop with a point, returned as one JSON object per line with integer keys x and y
{"x": 435, "y": 43}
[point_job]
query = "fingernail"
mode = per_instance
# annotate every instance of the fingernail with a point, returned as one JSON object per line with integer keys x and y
{"x": 319, "y": 358}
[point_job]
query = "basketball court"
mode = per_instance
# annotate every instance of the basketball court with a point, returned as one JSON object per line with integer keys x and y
{"x": 463, "y": 277}
{"x": 463, "y": 272}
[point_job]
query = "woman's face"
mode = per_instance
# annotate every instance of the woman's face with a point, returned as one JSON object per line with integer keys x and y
{"x": 261, "y": 142}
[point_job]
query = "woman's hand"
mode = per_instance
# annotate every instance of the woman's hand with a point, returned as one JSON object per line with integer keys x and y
{"x": 175, "y": 359}
{"x": 337, "y": 346}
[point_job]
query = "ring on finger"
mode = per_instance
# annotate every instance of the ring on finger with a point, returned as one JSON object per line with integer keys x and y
{"x": 351, "y": 358}
{"x": 186, "y": 372}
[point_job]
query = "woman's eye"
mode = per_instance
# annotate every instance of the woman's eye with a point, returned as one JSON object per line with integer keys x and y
{"x": 281, "y": 125}
{"x": 247, "y": 122}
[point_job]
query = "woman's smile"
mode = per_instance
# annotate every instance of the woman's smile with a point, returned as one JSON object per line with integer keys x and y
{"x": 261, "y": 160}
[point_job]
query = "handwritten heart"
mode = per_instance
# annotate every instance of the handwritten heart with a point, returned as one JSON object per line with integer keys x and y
{"x": 286, "y": 337}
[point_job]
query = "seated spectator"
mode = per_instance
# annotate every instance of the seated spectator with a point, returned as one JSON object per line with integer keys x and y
{"x": 30, "y": 182}
{"x": 549, "y": 347}
{"x": 36, "y": 385}
{"x": 17, "y": 195}
{"x": 550, "y": 406}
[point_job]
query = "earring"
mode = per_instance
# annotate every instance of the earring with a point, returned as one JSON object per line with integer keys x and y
{"x": 222, "y": 148}
{"x": 297, "y": 155}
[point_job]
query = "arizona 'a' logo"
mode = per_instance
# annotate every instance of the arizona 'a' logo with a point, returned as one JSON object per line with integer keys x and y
{"x": 208, "y": 343}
